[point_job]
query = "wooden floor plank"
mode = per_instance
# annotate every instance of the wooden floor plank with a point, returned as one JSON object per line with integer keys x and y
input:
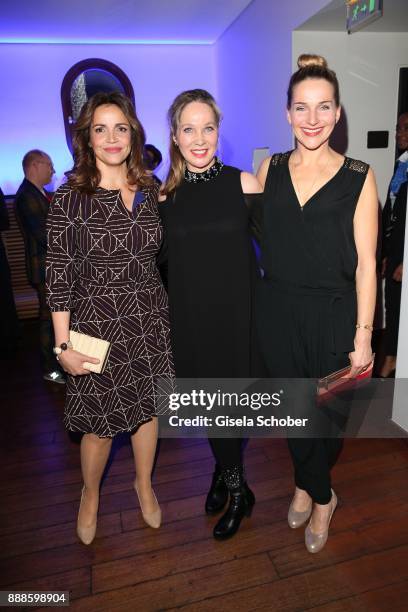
{"x": 344, "y": 545}
{"x": 130, "y": 567}
{"x": 392, "y": 598}
{"x": 77, "y": 582}
{"x": 175, "y": 590}
{"x": 320, "y": 587}
{"x": 46, "y": 538}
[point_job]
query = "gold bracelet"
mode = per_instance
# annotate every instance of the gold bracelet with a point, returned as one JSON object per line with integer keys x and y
{"x": 369, "y": 327}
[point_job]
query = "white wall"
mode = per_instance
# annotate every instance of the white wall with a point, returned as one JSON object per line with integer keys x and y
{"x": 367, "y": 65}
{"x": 253, "y": 69}
{"x": 31, "y": 115}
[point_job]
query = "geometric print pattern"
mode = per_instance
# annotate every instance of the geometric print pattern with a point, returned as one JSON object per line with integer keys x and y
{"x": 101, "y": 266}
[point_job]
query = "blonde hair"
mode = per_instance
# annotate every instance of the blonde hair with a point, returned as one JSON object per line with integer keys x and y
{"x": 313, "y": 67}
{"x": 177, "y": 162}
{"x": 307, "y": 59}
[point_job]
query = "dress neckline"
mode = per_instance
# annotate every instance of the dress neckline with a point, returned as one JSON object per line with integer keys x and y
{"x": 316, "y": 193}
{"x": 207, "y": 175}
{"x": 139, "y": 198}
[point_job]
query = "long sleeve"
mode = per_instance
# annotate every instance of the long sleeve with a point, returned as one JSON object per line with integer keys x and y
{"x": 61, "y": 252}
{"x": 386, "y": 226}
{"x": 397, "y": 239}
{"x": 32, "y": 218}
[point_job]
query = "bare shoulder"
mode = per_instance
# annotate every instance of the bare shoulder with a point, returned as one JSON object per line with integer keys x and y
{"x": 368, "y": 200}
{"x": 370, "y": 185}
{"x": 250, "y": 183}
{"x": 162, "y": 197}
{"x": 263, "y": 171}
{"x": 370, "y": 177}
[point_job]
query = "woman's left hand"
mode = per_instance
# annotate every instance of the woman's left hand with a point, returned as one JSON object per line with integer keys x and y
{"x": 397, "y": 276}
{"x": 362, "y": 356}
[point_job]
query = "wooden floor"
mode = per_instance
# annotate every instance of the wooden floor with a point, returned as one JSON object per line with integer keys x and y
{"x": 131, "y": 567}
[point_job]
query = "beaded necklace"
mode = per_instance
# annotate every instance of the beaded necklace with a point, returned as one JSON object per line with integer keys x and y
{"x": 207, "y": 175}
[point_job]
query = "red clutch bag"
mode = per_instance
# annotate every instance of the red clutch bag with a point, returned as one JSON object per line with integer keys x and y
{"x": 340, "y": 381}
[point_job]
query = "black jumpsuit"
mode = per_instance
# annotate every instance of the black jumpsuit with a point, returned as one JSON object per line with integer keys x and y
{"x": 306, "y": 302}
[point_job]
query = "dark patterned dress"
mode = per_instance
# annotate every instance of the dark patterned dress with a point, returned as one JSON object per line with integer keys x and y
{"x": 101, "y": 266}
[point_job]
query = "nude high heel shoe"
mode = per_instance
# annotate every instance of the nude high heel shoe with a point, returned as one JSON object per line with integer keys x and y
{"x": 315, "y": 541}
{"x": 297, "y": 519}
{"x": 153, "y": 519}
{"x": 85, "y": 534}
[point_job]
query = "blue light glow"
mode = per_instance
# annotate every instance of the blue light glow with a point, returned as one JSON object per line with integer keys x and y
{"x": 31, "y": 113}
{"x": 72, "y": 41}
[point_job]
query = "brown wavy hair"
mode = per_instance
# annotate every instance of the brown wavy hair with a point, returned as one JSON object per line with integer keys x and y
{"x": 85, "y": 176}
{"x": 177, "y": 162}
{"x": 313, "y": 67}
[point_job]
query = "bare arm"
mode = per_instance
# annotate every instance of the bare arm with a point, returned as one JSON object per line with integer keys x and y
{"x": 263, "y": 172}
{"x": 365, "y": 236}
{"x": 250, "y": 183}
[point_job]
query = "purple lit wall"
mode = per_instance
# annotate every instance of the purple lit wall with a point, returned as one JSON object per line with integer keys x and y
{"x": 253, "y": 59}
{"x": 247, "y": 70}
{"x": 31, "y": 115}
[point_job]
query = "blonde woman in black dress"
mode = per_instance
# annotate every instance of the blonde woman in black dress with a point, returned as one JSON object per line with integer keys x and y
{"x": 104, "y": 234}
{"x": 211, "y": 269}
{"x": 316, "y": 300}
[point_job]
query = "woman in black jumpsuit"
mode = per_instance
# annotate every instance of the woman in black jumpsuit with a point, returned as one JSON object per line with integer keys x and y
{"x": 316, "y": 300}
{"x": 211, "y": 271}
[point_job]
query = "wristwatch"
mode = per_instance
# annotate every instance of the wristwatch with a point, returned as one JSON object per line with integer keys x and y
{"x": 57, "y": 350}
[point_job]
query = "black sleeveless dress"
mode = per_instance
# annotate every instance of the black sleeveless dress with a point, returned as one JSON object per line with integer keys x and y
{"x": 211, "y": 277}
{"x": 306, "y": 302}
{"x": 211, "y": 267}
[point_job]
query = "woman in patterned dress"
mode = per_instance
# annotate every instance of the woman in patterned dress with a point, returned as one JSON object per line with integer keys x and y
{"x": 104, "y": 234}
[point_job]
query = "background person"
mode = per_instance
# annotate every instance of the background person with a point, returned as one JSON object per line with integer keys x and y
{"x": 31, "y": 206}
{"x": 153, "y": 158}
{"x": 393, "y": 223}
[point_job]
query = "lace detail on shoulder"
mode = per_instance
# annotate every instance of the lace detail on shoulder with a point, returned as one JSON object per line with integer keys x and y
{"x": 280, "y": 158}
{"x": 356, "y": 165}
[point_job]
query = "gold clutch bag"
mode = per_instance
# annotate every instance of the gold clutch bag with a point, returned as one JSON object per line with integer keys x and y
{"x": 94, "y": 347}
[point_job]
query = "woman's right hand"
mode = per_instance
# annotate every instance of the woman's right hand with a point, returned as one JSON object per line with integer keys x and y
{"x": 72, "y": 362}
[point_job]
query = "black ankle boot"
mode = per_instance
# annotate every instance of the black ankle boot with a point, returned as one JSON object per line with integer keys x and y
{"x": 242, "y": 501}
{"x": 218, "y": 494}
